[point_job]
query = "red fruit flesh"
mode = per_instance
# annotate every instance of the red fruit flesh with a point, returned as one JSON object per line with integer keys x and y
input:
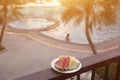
{"x": 66, "y": 62}
{"x": 63, "y": 62}
{"x": 59, "y": 63}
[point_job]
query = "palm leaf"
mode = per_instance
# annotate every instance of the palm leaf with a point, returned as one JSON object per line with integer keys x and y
{"x": 110, "y": 3}
{"x": 16, "y": 13}
{"x": 70, "y": 3}
{"x": 108, "y": 16}
{"x": 79, "y": 19}
{"x": 70, "y": 13}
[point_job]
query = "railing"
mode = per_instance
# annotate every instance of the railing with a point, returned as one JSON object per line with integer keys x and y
{"x": 88, "y": 64}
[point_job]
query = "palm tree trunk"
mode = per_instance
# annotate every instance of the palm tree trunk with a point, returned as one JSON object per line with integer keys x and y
{"x": 88, "y": 36}
{"x": 4, "y": 24}
{"x": 2, "y": 32}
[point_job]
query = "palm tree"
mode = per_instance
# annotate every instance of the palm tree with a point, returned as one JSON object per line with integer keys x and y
{"x": 94, "y": 12}
{"x": 6, "y": 5}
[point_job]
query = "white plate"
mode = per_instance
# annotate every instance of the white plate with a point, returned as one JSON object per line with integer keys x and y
{"x": 70, "y": 71}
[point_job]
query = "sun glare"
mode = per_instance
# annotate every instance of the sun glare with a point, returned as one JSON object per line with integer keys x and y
{"x": 45, "y": 3}
{"x": 48, "y": 2}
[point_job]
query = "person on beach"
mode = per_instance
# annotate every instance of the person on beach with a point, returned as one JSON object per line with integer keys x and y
{"x": 68, "y": 37}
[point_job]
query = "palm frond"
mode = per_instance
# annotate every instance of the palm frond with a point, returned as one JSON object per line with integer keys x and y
{"x": 79, "y": 18}
{"x": 110, "y": 3}
{"x": 95, "y": 20}
{"x": 70, "y": 13}
{"x": 70, "y": 3}
{"x": 17, "y": 2}
{"x": 105, "y": 15}
{"x": 13, "y": 12}
{"x": 67, "y": 15}
{"x": 16, "y": 13}
{"x": 91, "y": 26}
{"x": 108, "y": 16}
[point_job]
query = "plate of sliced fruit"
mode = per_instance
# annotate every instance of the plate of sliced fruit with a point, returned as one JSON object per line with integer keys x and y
{"x": 66, "y": 64}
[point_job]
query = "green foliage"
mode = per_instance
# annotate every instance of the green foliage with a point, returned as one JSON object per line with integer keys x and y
{"x": 112, "y": 71}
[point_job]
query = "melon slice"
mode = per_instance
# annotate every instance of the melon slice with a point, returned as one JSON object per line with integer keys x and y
{"x": 63, "y": 63}
{"x": 73, "y": 64}
{"x": 66, "y": 63}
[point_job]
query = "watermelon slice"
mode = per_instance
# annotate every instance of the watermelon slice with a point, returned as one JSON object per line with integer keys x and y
{"x": 63, "y": 63}
{"x": 66, "y": 63}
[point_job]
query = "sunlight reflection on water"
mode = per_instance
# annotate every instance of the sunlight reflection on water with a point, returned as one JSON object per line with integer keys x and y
{"x": 77, "y": 33}
{"x": 32, "y": 23}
